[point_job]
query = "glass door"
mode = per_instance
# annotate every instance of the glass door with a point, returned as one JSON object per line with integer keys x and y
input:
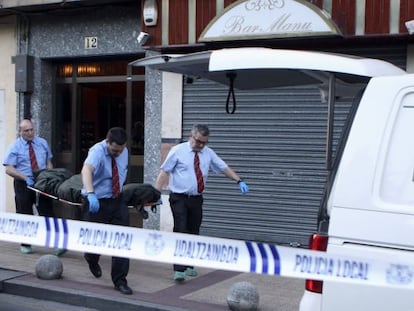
{"x": 88, "y": 101}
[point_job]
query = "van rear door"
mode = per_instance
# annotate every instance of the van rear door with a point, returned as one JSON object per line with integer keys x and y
{"x": 371, "y": 205}
{"x": 257, "y": 67}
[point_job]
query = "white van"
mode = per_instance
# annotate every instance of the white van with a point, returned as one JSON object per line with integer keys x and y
{"x": 369, "y": 206}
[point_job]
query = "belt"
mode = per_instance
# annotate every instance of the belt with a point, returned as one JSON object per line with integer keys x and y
{"x": 185, "y": 195}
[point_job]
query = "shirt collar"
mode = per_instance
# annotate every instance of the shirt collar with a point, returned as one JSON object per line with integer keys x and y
{"x": 26, "y": 142}
{"x": 191, "y": 149}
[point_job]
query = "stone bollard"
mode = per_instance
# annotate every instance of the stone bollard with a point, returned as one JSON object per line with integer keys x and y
{"x": 243, "y": 296}
{"x": 49, "y": 267}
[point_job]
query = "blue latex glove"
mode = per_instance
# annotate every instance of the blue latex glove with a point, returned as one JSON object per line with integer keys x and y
{"x": 93, "y": 203}
{"x": 244, "y": 188}
{"x": 159, "y": 202}
{"x": 30, "y": 181}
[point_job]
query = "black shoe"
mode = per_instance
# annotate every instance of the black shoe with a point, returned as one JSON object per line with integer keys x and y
{"x": 124, "y": 289}
{"x": 95, "y": 268}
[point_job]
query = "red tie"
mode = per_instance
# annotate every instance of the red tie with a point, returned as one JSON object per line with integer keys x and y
{"x": 199, "y": 175}
{"x": 32, "y": 155}
{"x": 115, "y": 179}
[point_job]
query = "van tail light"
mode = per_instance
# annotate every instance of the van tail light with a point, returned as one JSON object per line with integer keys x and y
{"x": 319, "y": 243}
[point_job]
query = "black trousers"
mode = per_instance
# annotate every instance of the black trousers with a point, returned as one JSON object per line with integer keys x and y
{"x": 115, "y": 212}
{"x": 25, "y": 198}
{"x": 187, "y": 212}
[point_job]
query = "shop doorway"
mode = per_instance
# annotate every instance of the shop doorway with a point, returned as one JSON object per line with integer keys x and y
{"x": 89, "y": 99}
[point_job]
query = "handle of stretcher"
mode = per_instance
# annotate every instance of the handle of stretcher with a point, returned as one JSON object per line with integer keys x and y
{"x": 73, "y": 203}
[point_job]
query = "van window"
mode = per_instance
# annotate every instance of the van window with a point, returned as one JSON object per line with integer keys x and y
{"x": 397, "y": 185}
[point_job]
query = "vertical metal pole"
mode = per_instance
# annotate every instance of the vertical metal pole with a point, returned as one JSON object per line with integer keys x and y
{"x": 128, "y": 117}
{"x": 75, "y": 121}
{"x": 331, "y": 115}
{"x": 322, "y": 214}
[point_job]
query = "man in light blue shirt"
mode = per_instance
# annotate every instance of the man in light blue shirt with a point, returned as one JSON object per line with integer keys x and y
{"x": 18, "y": 165}
{"x": 106, "y": 166}
{"x": 185, "y": 170}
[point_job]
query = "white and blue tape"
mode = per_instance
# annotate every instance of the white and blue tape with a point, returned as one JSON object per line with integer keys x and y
{"x": 215, "y": 253}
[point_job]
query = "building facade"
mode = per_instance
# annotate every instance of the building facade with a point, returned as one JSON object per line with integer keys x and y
{"x": 71, "y": 64}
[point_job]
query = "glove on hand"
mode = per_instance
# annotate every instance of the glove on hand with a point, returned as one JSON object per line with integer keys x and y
{"x": 93, "y": 203}
{"x": 243, "y": 187}
{"x": 30, "y": 181}
{"x": 159, "y": 202}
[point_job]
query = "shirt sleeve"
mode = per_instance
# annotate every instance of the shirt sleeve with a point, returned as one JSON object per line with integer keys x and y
{"x": 94, "y": 156}
{"x": 217, "y": 164}
{"x": 170, "y": 161}
{"x": 11, "y": 156}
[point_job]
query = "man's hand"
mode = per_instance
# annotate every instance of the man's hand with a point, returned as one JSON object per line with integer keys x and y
{"x": 93, "y": 203}
{"x": 243, "y": 187}
{"x": 159, "y": 202}
{"x": 30, "y": 181}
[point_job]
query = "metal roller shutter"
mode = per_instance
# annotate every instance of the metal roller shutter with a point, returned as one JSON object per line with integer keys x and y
{"x": 276, "y": 140}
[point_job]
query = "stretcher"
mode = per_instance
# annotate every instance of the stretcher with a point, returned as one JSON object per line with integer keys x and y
{"x": 139, "y": 208}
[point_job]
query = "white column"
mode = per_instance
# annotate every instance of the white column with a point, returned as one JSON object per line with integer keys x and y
{"x": 172, "y": 86}
{"x": 165, "y": 20}
{"x": 395, "y": 16}
{"x": 192, "y": 21}
{"x": 360, "y": 18}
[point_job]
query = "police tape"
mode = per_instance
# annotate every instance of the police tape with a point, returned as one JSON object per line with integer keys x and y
{"x": 202, "y": 251}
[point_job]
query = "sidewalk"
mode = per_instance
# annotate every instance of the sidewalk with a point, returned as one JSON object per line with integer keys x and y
{"x": 152, "y": 284}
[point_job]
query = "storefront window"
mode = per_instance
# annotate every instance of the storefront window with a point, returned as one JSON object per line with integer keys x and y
{"x": 96, "y": 69}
